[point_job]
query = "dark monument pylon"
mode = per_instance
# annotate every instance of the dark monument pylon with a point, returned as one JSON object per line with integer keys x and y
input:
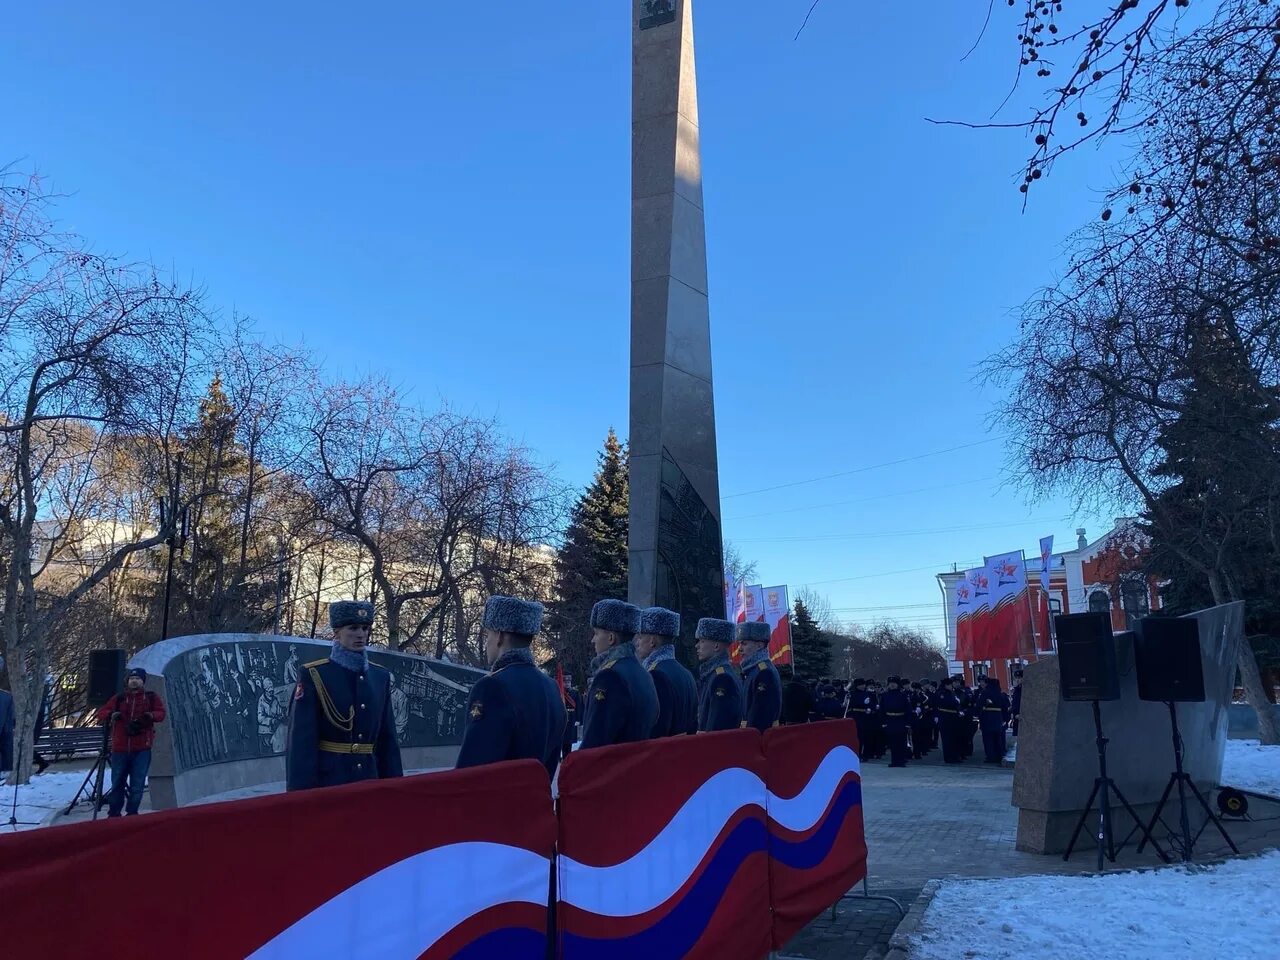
{"x": 675, "y": 557}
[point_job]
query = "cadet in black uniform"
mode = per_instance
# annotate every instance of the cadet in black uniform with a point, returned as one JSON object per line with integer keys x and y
{"x": 341, "y": 729}
{"x": 897, "y": 708}
{"x": 949, "y": 722}
{"x": 515, "y": 713}
{"x": 719, "y": 684}
{"x": 677, "y": 691}
{"x": 993, "y": 714}
{"x": 622, "y": 705}
{"x": 969, "y": 701}
{"x": 920, "y": 722}
{"x": 875, "y": 721}
{"x": 761, "y": 684}
{"x": 861, "y": 704}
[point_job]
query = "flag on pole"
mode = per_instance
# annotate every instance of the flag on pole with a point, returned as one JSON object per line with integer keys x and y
{"x": 1009, "y": 631}
{"x": 1046, "y": 561}
{"x": 752, "y": 604}
{"x": 777, "y": 613}
{"x": 730, "y": 597}
{"x": 979, "y": 613}
{"x": 963, "y": 594}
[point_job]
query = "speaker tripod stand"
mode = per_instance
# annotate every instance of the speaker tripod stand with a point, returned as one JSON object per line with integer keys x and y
{"x": 1183, "y": 780}
{"x": 13, "y": 822}
{"x": 95, "y": 776}
{"x": 1103, "y": 787}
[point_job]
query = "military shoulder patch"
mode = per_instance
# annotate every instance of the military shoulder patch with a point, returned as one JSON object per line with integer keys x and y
{"x": 759, "y": 688}
{"x": 477, "y": 710}
{"x": 719, "y": 691}
{"x": 599, "y": 695}
{"x": 762, "y": 665}
{"x": 719, "y": 670}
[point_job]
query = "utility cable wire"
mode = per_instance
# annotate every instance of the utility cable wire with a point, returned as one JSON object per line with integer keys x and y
{"x": 847, "y": 503}
{"x": 873, "y": 466}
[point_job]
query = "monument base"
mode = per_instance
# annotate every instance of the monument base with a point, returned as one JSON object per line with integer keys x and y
{"x": 1057, "y": 751}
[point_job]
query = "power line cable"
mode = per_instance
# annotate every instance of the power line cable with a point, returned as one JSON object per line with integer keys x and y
{"x": 888, "y": 573}
{"x": 897, "y": 533}
{"x": 873, "y": 466}
{"x": 881, "y": 496}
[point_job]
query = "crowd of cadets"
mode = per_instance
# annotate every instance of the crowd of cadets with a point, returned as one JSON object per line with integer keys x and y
{"x": 909, "y": 718}
{"x": 341, "y": 729}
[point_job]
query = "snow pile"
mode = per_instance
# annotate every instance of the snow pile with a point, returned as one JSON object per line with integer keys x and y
{"x": 1248, "y": 765}
{"x": 45, "y": 793}
{"x": 1166, "y": 914}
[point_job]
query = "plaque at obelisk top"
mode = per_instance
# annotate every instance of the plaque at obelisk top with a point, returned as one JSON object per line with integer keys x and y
{"x": 675, "y": 548}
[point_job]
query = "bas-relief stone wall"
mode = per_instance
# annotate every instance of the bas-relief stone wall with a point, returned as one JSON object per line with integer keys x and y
{"x": 1057, "y": 756}
{"x": 228, "y": 698}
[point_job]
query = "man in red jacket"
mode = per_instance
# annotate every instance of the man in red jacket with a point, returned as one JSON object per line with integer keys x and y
{"x": 133, "y": 716}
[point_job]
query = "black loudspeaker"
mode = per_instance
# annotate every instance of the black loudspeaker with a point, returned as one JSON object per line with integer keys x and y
{"x": 1167, "y": 655}
{"x": 1087, "y": 657}
{"x": 106, "y": 675}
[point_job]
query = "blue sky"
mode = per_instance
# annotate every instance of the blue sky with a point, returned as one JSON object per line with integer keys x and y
{"x": 440, "y": 192}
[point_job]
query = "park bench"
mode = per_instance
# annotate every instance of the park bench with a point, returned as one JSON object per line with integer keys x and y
{"x": 64, "y": 743}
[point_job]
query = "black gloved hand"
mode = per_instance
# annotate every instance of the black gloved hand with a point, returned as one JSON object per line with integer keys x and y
{"x": 135, "y": 727}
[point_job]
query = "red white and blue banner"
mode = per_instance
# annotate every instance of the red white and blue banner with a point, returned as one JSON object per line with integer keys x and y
{"x": 777, "y": 613}
{"x": 963, "y": 601}
{"x": 979, "y": 613}
{"x": 1009, "y": 628}
{"x": 663, "y": 850}
{"x": 817, "y": 846}
{"x": 453, "y": 864}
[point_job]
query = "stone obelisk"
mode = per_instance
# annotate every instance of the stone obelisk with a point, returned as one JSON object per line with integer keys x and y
{"x": 675, "y": 545}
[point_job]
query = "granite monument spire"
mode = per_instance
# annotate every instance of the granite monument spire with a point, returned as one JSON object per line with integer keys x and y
{"x": 675, "y": 557}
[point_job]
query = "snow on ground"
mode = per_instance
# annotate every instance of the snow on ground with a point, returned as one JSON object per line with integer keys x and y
{"x": 45, "y": 793}
{"x": 1250, "y": 766}
{"x": 1167, "y": 914}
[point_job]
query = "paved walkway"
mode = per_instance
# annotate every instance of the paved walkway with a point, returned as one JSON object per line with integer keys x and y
{"x": 931, "y": 821}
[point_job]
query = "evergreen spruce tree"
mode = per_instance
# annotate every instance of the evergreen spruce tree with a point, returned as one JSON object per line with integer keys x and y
{"x": 810, "y": 645}
{"x": 592, "y": 563}
{"x": 1211, "y": 527}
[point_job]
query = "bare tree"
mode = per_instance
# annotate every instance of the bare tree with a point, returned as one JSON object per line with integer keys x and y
{"x": 97, "y": 359}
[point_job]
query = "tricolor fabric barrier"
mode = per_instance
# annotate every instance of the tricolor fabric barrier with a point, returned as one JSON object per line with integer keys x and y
{"x": 664, "y": 851}
{"x": 432, "y": 866}
{"x": 721, "y": 845}
{"x": 817, "y": 844}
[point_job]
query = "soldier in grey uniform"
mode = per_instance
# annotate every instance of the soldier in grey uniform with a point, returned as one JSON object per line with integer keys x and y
{"x": 761, "y": 684}
{"x": 340, "y": 725}
{"x": 720, "y": 684}
{"x": 676, "y": 688}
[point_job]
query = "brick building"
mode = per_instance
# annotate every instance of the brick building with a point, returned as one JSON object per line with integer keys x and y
{"x": 1105, "y": 575}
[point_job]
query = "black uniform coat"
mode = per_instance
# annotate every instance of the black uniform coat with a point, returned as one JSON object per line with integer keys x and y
{"x": 1016, "y": 707}
{"x": 622, "y": 705}
{"x": 762, "y": 687}
{"x": 677, "y": 698}
{"x": 993, "y": 709}
{"x": 720, "y": 698}
{"x": 896, "y": 706}
{"x": 340, "y": 727}
{"x": 515, "y": 713}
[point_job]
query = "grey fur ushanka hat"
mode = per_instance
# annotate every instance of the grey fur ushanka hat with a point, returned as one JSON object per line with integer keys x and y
{"x": 344, "y": 613}
{"x": 616, "y": 615}
{"x": 660, "y": 622}
{"x": 717, "y": 631}
{"x": 753, "y": 631}
{"x": 512, "y": 615}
